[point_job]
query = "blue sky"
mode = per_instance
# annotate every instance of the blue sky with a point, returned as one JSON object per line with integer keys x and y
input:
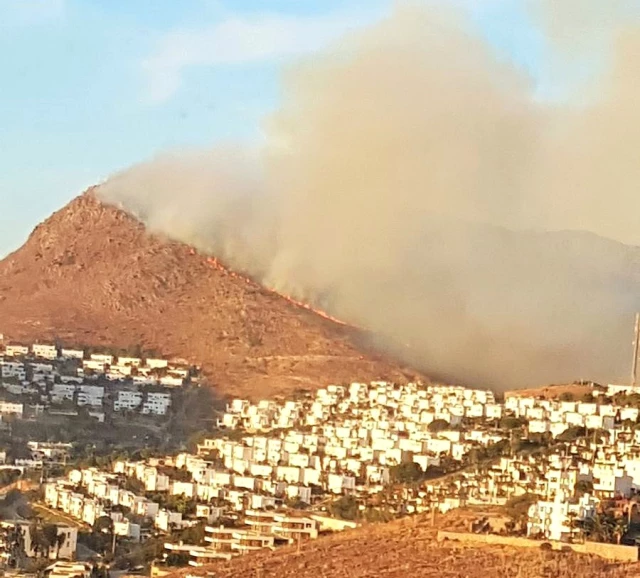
{"x": 92, "y": 86}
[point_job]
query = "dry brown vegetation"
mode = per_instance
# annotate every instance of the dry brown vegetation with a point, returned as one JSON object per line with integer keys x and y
{"x": 553, "y": 391}
{"x": 92, "y": 275}
{"x": 408, "y": 549}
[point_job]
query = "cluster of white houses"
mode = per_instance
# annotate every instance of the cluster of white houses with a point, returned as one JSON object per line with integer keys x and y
{"x": 600, "y": 461}
{"x": 13, "y": 532}
{"x": 95, "y": 381}
{"x": 346, "y": 440}
{"x": 361, "y": 430}
{"x": 89, "y": 494}
{"x": 262, "y": 529}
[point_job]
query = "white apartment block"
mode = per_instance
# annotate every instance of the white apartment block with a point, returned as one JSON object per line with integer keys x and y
{"x": 144, "y": 380}
{"x": 44, "y": 351}
{"x": 130, "y": 361}
{"x": 11, "y": 408}
{"x": 13, "y": 369}
{"x": 127, "y": 400}
{"x": 157, "y": 403}
{"x": 171, "y": 381}
{"x": 72, "y": 354}
{"x": 71, "y": 379}
{"x": 157, "y": 363}
{"x": 16, "y": 350}
{"x": 555, "y": 520}
{"x": 123, "y": 370}
{"x": 102, "y": 358}
{"x": 94, "y": 365}
{"x": 62, "y": 391}
{"x": 92, "y": 395}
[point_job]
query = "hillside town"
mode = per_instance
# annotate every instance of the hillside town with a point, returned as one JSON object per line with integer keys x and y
{"x": 283, "y": 471}
{"x": 60, "y": 379}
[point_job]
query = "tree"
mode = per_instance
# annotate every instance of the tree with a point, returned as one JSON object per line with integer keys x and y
{"x": 181, "y": 475}
{"x": 134, "y": 485}
{"x": 583, "y": 487}
{"x": 61, "y": 538}
{"x": 103, "y": 527}
{"x": 406, "y": 473}
{"x": 103, "y": 524}
{"x": 517, "y": 508}
{"x": 194, "y": 534}
{"x": 620, "y": 528}
{"x": 50, "y": 534}
{"x": 600, "y": 528}
{"x": 345, "y": 508}
{"x": 7, "y": 477}
{"x": 512, "y": 422}
{"x": 571, "y": 434}
{"x": 43, "y": 538}
{"x": 177, "y": 559}
{"x": 438, "y": 425}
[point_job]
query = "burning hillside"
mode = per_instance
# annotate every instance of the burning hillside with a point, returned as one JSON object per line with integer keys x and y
{"x": 213, "y": 262}
{"x": 412, "y": 183}
{"x": 91, "y": 274}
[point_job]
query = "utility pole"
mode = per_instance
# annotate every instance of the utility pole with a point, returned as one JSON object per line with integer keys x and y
{"x": 636, "y": 344}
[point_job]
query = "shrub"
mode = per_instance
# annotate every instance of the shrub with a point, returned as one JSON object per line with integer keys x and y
{"x": 406, "y": 473}
{"x": 438, "y": 425}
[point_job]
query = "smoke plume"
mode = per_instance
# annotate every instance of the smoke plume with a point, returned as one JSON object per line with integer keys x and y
{"x": 412, "y": 184}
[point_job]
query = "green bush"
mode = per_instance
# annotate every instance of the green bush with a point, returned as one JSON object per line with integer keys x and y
{"x": 406, "y": 473}
{"x": 345, "y": 508}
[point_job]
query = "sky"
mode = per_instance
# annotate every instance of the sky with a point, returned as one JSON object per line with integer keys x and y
{"x": 89, "y": 87}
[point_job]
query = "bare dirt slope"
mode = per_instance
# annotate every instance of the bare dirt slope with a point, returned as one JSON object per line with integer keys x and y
{"x": 573, "y": 390}
{"x": 91, "y": 274}
{"x": 408, "y": 549}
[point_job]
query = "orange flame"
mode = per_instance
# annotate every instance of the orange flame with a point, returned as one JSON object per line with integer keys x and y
{"x": 213, "y": 262}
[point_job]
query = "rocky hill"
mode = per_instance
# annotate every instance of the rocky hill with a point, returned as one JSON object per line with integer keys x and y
{"x": 92, "y": 275}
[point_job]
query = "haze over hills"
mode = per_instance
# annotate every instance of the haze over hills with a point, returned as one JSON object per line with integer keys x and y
{"x": 484, "y": 305}
{"x": 91, "y": 274}
{"x": 413, "y": 182}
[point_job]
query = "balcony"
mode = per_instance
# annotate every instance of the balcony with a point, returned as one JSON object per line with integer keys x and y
{"x": 201, "y": 558}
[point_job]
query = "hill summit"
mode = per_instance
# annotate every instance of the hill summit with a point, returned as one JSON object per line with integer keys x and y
{"x": 92, "y": 275}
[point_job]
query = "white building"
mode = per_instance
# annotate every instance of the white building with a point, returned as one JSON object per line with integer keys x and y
{"x": 72, "y": 354}
{"x": 16, "y": 350}
{"x": 157, "y": 403}
{"x": 102, "y": 358}
{"x": 94, "y": 365}
{"x": 92, "y": 395}
{"x": 130, "y": 361}
{"x": 11, "y": 408}
{"x": 13, "y": 369}
{"x": 127, "y": 400}
{"x": 44, "y": 351}
{"x": 555, "y": 520}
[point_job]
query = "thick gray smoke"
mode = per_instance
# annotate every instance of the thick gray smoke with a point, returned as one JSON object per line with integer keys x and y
{"x": 407, "y": 185}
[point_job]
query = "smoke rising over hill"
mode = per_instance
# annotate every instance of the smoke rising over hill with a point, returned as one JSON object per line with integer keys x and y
{"x": 406, "y": 186}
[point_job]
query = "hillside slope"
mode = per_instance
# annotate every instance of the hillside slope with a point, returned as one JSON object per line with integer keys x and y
{"x": 407, "y": 549}
{"x": 91, "y": 274}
